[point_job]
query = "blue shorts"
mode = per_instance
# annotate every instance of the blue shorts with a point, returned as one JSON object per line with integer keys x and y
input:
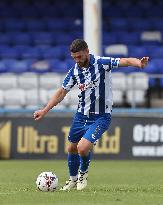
{"x": 90, "y": 128}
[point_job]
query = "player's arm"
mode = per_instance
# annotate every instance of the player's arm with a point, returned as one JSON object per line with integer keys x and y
{"x": 55, "y": 99}
{"x": 140, "y": 63}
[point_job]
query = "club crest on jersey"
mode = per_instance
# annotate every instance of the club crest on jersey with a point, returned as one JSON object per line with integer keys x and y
{"x": 82, "y": 87}
{"x": 92, "y": 85}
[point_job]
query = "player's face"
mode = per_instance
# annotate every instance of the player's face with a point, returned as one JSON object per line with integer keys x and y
{"x": 81, "y": 58}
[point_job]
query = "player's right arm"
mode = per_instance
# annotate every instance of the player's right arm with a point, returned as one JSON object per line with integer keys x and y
{"x": 55, "y": 99}
{"x": 58, "y": 96}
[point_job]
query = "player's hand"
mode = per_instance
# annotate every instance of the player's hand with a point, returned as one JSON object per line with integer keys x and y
{"x": 144, "y": 61}
{"x": 39, "y": 114}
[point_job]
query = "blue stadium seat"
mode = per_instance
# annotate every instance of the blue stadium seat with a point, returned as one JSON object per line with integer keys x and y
{"x": 137, "y": 51}
{"x": 63, "y": 39}
{"x": 9, "y": 52}
{"x": 139, "y": 24}
{"x": 128, "y": 38}
{"x": 57, "y": 52}
{"x": 17, "y": 66}
{"x": 113, "y": 11}
{"x": 51, "y": 11}
{"x": 72, "y": 12}
{"x": 151, "y": 68}
{"x": 8, "y": 12}
{"x": 42, "y": 49}
{"x": 157, "y": 24}
{"x": 73, "y": 25}
{"x": 5, "y": 39}
{"x": 21, "y": 39}
{"x": 76, "y": 34}
{"x": 150, "y": 51}
{"x": 35, "y": 25}
{"x": 42, "y": 38}
{"x": 41, "y": 66}
{"x": 151, "y": 43}
{"x": 41, "y": 4}
{"x": 109, "y": 38}
{"x": 145, "y": 4}
{"x": 58, "y": 66}
{"x": 157, "y": 52}
{"x": 125, "y": 5}
{"x": 70, "y": 62}
{"x": 2, "y": 27}
{"x": 19, "y": 4}
{"x": 14, "y": 25}
{"x": 158, "y": 63}
{"x": 29, "y": 12}
{"x": 53, "y": 53}
{"x": 3, "y": 67}
{"x": 161, "y": 82}
{"x": 133, "y": 12}
{"x": 156, "y": 11}
{"x": 31, "y": 53}
{"x": 118, "y": 24}
{"x": 65, "y": 51}
{"x": 152, "y": 82}
{"x": 55, "y": 24}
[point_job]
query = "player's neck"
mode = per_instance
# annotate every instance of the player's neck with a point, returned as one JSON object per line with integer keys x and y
{"x": 86, "y": 65}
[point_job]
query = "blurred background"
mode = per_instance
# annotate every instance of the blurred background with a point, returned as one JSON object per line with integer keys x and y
{"x": 34, "y": 57}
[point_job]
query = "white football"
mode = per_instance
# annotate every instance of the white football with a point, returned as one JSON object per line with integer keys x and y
{"x": 47, "y": 181}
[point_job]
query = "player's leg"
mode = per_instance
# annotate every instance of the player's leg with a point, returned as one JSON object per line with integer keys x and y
{"x": 73, "y": 165}
{"x": 74, "y": 137}
{"x": 84, "y": 149}
{"x": 73, "y": 161}
{"x": 85, "y": 145}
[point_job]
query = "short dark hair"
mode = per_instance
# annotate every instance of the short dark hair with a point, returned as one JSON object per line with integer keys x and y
{"x": 78, "y": 45}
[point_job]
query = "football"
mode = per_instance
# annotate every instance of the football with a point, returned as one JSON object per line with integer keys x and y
{"x": 47, "y": 181}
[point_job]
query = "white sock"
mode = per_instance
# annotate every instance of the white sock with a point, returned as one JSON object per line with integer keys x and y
{"x": 74, "y": 178}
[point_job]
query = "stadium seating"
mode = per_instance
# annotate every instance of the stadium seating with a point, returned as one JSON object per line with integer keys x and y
{"x": 17, "y": 66}
{"x": 20, "y": 38}
{"x": 27, "y": 80}
{"x": 137, "y": 84}
{"x": 9, "y": 52}
{"x": 1, "y": 98}
{"x": 35, "y": 38}
{"x": 64, "y": 104}
{"x": 136, "y": 98}
{"x": 50, "y": 81}
{"x": 3, "y": 67}
{"x": 14, "y": 98}
{"x": 73, "y": 98}
{"x": 119, "y": 84}
{"x": 116, "y": 50}
{"x": 8, "y": 81}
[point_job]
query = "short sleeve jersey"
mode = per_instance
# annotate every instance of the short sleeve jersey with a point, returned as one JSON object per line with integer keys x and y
{"x": 94, "y": 83}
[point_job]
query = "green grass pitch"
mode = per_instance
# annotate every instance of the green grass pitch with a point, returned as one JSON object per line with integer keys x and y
{"x": 110, "y": 182}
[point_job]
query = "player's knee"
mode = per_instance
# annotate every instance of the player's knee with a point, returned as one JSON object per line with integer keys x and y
{"x": 72, "y": 149}
{"x": 82, "y": 150}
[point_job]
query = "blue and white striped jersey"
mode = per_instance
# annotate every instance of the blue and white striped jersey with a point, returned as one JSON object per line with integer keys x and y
{"x": 95, "y": 84}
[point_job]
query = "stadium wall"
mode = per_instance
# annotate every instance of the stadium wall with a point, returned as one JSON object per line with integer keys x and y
{"x": 131, "y": 136}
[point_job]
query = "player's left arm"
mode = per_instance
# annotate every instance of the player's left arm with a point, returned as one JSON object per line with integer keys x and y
{"x": 140, "y": 63}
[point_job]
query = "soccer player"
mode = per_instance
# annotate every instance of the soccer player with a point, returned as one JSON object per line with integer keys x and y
{"x": 92, "y": 74}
